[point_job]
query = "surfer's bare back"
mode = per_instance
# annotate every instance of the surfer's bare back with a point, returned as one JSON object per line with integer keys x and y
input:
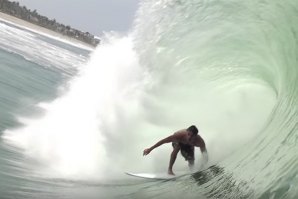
{"x": 184, "y": 140}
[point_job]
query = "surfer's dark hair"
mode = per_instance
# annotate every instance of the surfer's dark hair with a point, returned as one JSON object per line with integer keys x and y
{"x": 193, "y": 129}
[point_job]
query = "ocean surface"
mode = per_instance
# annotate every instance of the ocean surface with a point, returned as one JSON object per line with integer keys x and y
{"x": 72, "y": 120}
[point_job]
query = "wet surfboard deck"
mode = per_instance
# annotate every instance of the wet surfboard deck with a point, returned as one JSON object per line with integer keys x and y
{"x": 153, "y": 176}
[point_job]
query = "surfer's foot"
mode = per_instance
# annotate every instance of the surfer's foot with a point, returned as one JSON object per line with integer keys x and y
{"x": 170, "y": 172}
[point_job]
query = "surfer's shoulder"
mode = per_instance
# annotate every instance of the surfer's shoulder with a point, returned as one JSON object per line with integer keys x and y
{"x": 181, "y": 133}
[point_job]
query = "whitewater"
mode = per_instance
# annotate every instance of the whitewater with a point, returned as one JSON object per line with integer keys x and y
{"x": 74, "y": 120}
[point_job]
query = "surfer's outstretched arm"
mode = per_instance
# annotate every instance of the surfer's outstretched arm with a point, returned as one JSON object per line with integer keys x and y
{"x": 171, "y": 138}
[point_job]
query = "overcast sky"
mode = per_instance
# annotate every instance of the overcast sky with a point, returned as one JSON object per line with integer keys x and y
{"x": 94, "y": 16}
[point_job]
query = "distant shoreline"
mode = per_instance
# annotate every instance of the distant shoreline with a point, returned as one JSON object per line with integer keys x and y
{"x": 43, "y": 31}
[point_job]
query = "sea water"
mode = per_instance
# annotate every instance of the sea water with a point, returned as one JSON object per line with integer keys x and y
{"x": 73, "y": 121}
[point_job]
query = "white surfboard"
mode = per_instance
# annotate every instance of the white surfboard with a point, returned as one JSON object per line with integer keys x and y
{"x": 153, "y": 176}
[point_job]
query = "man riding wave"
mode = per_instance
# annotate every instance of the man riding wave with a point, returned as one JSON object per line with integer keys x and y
{"x": 185, "y": 141}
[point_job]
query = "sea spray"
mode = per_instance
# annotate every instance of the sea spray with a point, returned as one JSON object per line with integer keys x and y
{"x": 70, "y": 138}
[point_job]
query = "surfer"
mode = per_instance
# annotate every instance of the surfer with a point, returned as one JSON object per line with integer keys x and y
{"x": 184, "y": 140}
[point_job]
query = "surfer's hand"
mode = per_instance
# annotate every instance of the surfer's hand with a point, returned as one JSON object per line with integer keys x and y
{"x": 146, "y": 151}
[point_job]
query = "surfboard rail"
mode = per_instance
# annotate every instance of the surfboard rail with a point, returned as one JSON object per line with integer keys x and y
{"x": 153, "y": 176}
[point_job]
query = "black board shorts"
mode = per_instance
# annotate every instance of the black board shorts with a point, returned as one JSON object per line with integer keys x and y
{"x": 187, "y": 151}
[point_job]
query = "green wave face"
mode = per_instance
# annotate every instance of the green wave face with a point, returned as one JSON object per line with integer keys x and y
{"x": 240, "y": 55}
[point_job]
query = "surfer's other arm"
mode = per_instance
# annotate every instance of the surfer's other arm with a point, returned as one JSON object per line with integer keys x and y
{"x": 201, "y": 144}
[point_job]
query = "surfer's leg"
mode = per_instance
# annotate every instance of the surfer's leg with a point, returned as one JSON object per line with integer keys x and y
{"x": 176, "y": 149}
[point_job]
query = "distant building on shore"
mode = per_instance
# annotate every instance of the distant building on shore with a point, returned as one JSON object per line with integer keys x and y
{"x": 14, "y": 9}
